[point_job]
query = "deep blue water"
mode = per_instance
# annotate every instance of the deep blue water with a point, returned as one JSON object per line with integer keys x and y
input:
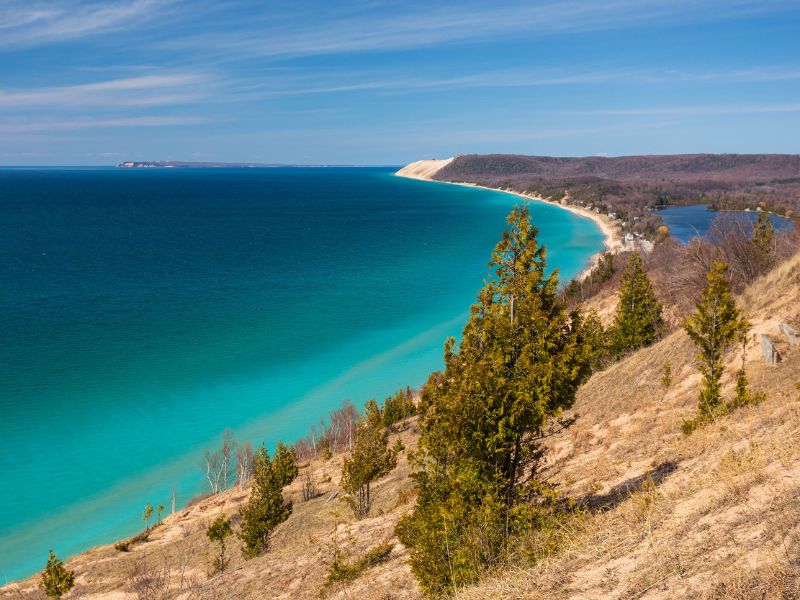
{"x": 144, "y": 311}
{"x": 686, "y": 222}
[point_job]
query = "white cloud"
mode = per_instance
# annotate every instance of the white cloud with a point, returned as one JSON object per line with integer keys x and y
{"x": 26, "y": 24}
{"x": 77, "y": 124}
{"x": 689, "y": 111}
{"x": 321, "y": 83}
{"x": 411, "y": 26}
{"x": 146, "y": 90}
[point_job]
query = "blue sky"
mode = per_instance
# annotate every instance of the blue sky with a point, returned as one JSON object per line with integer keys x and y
{"x": 390, "y": 82}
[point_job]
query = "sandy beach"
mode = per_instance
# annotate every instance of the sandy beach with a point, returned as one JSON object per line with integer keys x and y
{"x": 426, "y": 169}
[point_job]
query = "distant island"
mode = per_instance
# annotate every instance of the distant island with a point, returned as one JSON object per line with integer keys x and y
{"x": 170, "y": 164}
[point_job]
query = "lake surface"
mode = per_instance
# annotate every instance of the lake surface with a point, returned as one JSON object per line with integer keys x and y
{"x": 144, "y": 311}
{"x": 687, "y": 222}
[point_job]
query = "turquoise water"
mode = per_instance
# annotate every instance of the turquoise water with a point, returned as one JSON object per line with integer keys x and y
{"x": 687, "y": 222}
{"x": 144, "y": 311}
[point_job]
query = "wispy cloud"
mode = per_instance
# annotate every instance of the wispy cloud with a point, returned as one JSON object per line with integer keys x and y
{"x": 359, "y": 83}
{"x": 403, "y": 83}
{"x": 422, "y": 25}
{"x": 26, "y": 24}
{"x": 688, "y": 111}
{"x": 266, "y": 29}
{"x": 762, "y": 73}
{"x": 142, "y": 91}
{"x": 77, "y": 124}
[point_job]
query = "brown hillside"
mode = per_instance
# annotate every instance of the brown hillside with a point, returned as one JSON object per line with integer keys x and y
{"x": 721, "y": 518}
{"x": 629, "y": 184}
{"x": 715, "y": 514}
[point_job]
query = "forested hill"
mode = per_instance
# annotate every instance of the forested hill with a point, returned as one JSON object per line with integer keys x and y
{"x": 628, "y": 182}
{"x": 718, "y": 167}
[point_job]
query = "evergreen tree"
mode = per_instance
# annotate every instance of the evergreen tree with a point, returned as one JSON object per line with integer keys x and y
{"x": 218, "y": 531}
{"x": 285, "y": 464}
{"x": 666, "y": 376}
{"x": 56, "y": 579}
{"x": 266, "y": 508}
{"x": 744, "y": 395}
{"x": 519, "y": 364}
{"x": 398, "y": 407}
{"x": 370, "y": 460}
{"x": 595, "y": 336}
{"x": 763, "y": 233}
{"x": 638, "y": 318}
{"x": 714, "y": 327}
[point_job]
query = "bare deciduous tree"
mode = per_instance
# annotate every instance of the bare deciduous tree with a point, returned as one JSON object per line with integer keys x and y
{"x": 244, "y": 463}
{"x": 148, "y": 581}
{"x": 218, "y": 465}
{"x": 227, "y": 452}
{"x": 213, "y": 469}
{"x": 336, "y": 435}
{"x": 309, "y": 486}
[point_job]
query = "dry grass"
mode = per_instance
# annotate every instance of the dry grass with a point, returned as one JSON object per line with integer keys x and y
{"x": 721, "y": 518}
{"x": 712, "y": 515}
{"x": 177, "y": 558}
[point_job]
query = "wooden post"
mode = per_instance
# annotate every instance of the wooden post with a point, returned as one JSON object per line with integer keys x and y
{"x": 789, "y": 333}
{"x": 768, "y": 348}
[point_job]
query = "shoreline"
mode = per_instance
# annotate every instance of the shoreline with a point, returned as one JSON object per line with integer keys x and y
{"x": 612, "y": 235}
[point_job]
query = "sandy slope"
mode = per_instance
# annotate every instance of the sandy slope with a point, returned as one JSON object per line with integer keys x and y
{"x": 711, "y": 515}
{"x": 424, "y": 169}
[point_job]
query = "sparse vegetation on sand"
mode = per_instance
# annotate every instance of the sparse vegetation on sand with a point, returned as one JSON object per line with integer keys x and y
{"x": 537, "y": 465}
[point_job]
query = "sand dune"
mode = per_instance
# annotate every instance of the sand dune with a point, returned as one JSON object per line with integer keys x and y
{"x": 424, "y": 169}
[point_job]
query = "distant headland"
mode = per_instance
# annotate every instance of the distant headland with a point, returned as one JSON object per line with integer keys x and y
{"x": 169, "y": 164}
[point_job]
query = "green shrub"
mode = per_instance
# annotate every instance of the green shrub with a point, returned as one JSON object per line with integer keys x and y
{"x": 370, "y": 460}
{"x": 218, "y": 532}
{"x": 340, "y": 571}
{"x": 266, "y": 508}
{"x": 398, "y": 407}
{"x": 666, "y": 376}
{"x": 714, "y": 328}
{"x": 638, "y": 321}
{"x": 56, "y": 580}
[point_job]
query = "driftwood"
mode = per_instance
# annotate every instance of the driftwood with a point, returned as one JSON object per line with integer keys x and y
{"x": 790, "y": 333}
{"x": 770, "y": 352}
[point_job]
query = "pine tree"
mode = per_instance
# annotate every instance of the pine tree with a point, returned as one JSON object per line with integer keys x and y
{"x": 638, "y": 319}
{"x": 714, "y": 327}
{"x": 285, "y": 464}
{"x": 266, "y": 508}
{"x": 519, "y": 364}
{"x": 56, "y": 579}
{"x": 596, "y": 339}
{"x": 398, "y": 407}
{"x": 763, "y": 233}
{"x": 744, "y": 395}
{"x": 218, "y": 531}
{"x": 370, "y": 460}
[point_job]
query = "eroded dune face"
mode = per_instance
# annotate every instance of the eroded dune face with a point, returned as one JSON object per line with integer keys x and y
{"x": 424, "y": 169}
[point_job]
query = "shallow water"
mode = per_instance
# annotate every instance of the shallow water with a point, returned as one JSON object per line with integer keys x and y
{"x": 144, "y": 311}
